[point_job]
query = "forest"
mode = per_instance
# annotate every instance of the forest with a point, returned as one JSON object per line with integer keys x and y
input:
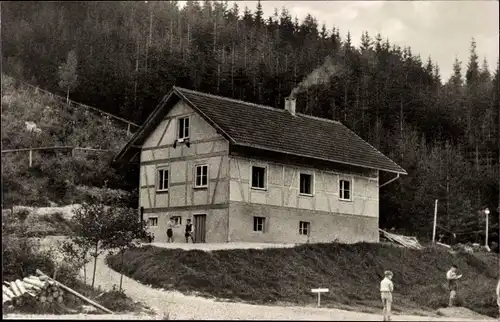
{"x": 122, "y": 57}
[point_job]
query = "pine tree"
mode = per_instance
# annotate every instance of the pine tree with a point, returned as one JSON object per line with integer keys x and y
{"x": 366, "y": 42}
{"x": 472, "y": 74}
{"x": 259, "y": 14}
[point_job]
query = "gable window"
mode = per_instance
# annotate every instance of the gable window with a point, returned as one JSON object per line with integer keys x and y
{"x": 345, "y": 190}
{"x": 304, "y": 228}
{"x": 162, "y": 180}
{"x": 258, "y": 223}
{"x": 183, "y": 128}
{"x": 201, "y": 176}
{"x": 306, "y": 183}
{"x": 258, "y": 177}
{"x": 153, "y": 221}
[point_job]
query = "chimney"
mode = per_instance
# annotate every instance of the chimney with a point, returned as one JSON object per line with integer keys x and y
{"x": 290, "y": 105}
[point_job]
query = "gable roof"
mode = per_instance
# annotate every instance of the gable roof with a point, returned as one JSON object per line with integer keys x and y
{"x": 263, "y": 127}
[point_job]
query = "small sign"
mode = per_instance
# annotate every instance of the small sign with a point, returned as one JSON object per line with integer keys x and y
{"x": 319, "y": 291}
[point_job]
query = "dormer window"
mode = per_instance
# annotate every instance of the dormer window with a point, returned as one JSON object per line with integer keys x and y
{"x": 183, "y": 128}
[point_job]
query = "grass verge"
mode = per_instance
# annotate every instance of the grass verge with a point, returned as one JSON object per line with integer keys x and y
{"x": 286, "y": 275}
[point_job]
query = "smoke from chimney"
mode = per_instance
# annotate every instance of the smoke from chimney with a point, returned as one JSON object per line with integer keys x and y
{"x": 318, "y": 76}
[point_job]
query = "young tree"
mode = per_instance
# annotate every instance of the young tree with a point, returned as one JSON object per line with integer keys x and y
{"x": 68, "y": 79}
{"x": 91, "y": 227}
{"x": 76, "y": 252}
{"x": 125, "y": 230}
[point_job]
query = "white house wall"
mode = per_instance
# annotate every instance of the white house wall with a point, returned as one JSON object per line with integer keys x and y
{"x": 182, "y": 198}
{"x": 283, "y": 188}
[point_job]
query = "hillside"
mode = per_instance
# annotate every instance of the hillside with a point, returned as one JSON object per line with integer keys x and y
{"x": 56, "y": 176}
{"x": 286, "y": 275}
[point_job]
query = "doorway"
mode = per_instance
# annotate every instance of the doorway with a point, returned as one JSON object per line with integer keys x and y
{"x": 200, "y": 228}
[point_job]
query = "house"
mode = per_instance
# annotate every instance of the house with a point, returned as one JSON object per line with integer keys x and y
{"x": 246, "y": 172}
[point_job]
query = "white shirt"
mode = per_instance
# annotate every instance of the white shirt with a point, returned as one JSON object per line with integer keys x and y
{"x": 451, "y": 275}
{"x": 170, "y": 224}
{"x": 386, "y": 285}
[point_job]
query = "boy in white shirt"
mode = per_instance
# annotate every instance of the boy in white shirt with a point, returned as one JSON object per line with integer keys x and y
{"x": 452, "y": 278}
{"x": 386, "y": 289}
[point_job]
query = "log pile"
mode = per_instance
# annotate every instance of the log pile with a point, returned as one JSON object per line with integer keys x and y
{"x": 31, "y": 289}
{"x": 40, "y": 291}
{"x": 405, "y": 241}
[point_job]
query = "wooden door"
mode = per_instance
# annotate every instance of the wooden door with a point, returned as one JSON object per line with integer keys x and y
{"x": 200, "y": 228}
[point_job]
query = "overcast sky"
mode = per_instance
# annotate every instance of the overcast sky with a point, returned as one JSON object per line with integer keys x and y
{"x": 442, "y": 29}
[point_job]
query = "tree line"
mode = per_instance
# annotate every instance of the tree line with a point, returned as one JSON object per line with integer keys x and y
{"x": 124, "y": 56}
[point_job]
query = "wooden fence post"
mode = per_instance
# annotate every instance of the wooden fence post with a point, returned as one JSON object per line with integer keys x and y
{"x": 128, "y": 129}
{"x": 30, "y": 158}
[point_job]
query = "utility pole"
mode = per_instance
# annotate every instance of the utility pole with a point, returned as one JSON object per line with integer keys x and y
{"x": 486, "y": 213}
{"x": 435, "y": 222}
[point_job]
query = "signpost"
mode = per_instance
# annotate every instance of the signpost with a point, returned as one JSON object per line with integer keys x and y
{"x": 319, "y": 291}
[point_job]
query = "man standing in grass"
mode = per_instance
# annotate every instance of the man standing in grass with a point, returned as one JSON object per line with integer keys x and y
{"x": 452, "y": 278}
{"x": 386, "y": 289}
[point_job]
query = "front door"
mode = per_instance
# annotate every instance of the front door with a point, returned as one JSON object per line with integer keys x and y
{"x": 199, "y": 228}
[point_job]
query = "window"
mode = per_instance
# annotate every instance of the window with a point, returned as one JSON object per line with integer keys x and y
{"x": 162, "y": 180}
{"x": 305, "y": 184}
{"x": 258, "y": 223}
{"x": 345, "y": 190}
{"x": 258, "y": 177}
{"x": 304, "y": 228}
{"x": 153, "y": 221}
{"x": 201, "y": 176}
{"x": 183, "y": 127}
{"x": 177, "y": 220}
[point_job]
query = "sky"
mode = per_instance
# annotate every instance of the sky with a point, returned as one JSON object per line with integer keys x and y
{"x": 441, "y": 29}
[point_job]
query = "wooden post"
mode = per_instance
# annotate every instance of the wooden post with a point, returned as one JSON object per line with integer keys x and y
{"x": 128, "y": 129}
{"x": 435, "y": 222}
{"x": 486, "y": 212}
{"x": 319, "y": 291}
{"x": 30, "y": 158}
{"x": 73, "y": 152}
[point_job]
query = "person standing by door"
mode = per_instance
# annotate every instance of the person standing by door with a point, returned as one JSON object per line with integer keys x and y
{"x": 189, "y": 231}
{"x": 170, "y": 231}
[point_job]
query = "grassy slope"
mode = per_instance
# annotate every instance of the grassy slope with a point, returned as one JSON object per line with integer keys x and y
{"x": 352, "y": 272}
{"x": 53, "y": 177}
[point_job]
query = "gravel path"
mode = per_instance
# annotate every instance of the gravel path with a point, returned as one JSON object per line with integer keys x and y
{"x": 180, "y": 306}
{"x": 75, "y": 317}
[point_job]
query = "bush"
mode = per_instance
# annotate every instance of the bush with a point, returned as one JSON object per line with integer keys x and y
{"x": 117, "y": 301}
